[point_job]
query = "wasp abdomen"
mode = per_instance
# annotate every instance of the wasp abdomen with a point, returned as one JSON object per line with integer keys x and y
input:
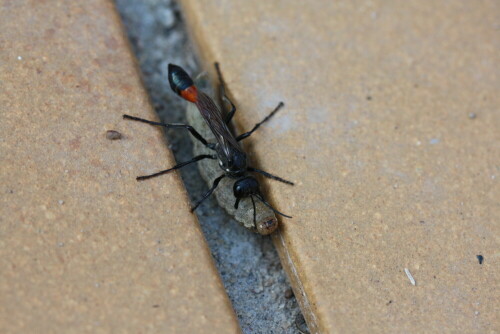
{"x": 181, "y": 83}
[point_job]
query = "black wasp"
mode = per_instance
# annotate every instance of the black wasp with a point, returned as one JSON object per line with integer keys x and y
{"x": 231, "y": 157}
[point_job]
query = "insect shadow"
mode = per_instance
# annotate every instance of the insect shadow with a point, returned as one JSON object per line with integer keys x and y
{"x": 231, "y": 157}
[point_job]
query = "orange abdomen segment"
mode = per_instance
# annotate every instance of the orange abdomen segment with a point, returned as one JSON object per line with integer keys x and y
{"x": 190, "y": 94}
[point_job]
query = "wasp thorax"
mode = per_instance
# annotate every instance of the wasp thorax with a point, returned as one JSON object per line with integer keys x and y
{"x": 245, "y": 187}
{"x": 267, "y": 226}
{"x": 235, "y": 165}
{"x": 239, "y": 161}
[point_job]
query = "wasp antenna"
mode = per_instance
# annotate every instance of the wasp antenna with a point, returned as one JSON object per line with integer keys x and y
{"x": 181, "y": 83}
{"x": 237, "y": 203}
{"x": 270, "y": 207}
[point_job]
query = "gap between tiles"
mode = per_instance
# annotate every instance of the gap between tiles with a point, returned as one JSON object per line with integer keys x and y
{"x": 248, "y": 263}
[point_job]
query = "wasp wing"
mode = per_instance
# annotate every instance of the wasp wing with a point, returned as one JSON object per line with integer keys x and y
{"x": 213, "y": 116}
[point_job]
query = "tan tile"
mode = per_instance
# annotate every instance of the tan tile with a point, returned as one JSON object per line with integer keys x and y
{"x": 84, "y": 248}
{"x": 391, "y": 170}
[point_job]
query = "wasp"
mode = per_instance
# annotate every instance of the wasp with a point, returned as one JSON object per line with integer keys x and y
{"x": 227, "y": 150}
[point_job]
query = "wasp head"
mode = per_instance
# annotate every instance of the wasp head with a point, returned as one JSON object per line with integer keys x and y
{"x": 245, "y": 187}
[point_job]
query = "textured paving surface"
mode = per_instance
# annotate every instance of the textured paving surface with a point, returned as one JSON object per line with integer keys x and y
{"x": 84, "y": 248}
{"x": 248, "y": 263}
{"x": 392, "y": 132}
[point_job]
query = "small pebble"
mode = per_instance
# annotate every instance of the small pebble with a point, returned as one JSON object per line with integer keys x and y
{"x": 19, "y": 58}
{"x": 61, "y": 202}
{"x": 113, "y": 135}
{"x": 288, "y": 293}
{"x": 472, "y": 115}
{"x": 268, "y": 282}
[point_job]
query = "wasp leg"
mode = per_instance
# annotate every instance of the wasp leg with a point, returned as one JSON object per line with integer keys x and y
{"x": 173, "y": 126}
{"x": 223, "y": 96}
{"x": 271, "y": 176}
{"x": 247, "y": 134}
{"x": 254, "y": 212}
{"x": 182, "y": 164}
{"x": 209, "y": 192}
